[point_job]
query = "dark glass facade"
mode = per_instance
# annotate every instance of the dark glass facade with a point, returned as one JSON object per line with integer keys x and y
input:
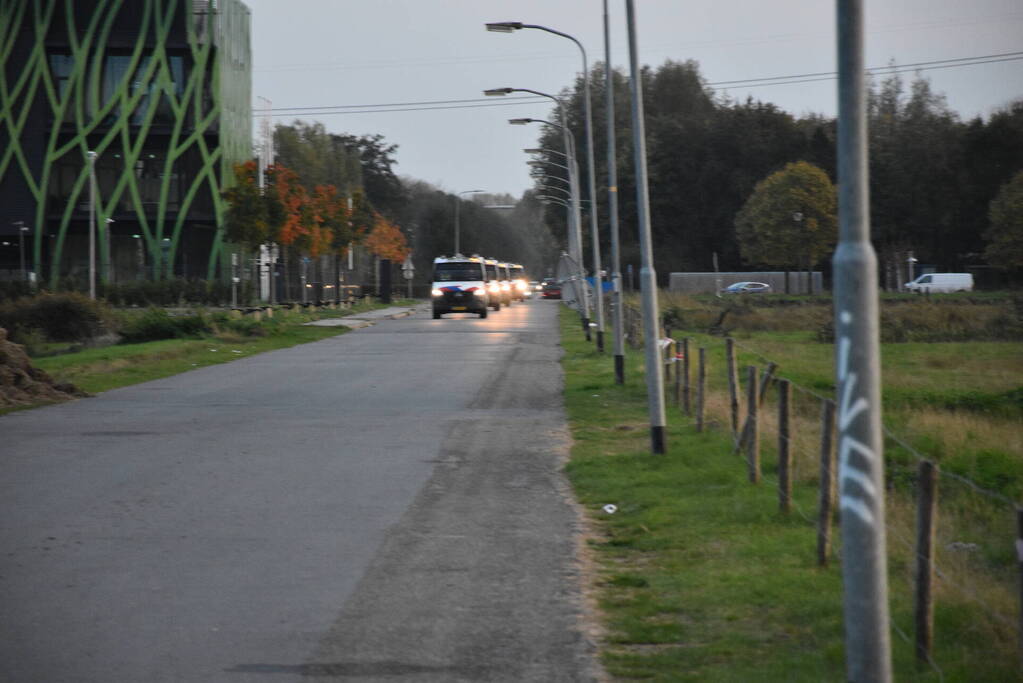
{"x": 160, "y": 90}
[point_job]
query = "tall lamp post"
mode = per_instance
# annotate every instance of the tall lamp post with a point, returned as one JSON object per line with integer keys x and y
{"x": 22, "y": 229}
{"x": 617, "y": 308}
{"x": 92, "y": 223}
{"x": 458, "y": 203}
{"x": 573, "y": 175}
{"x": 647, "y": 274}
{"x": 509, "y": 27}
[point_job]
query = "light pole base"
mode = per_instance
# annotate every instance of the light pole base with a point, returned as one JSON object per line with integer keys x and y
{"x": 586, "y": 328}
{"x": 657, "y": 446}
{"x": 619, "y": 369}
{"x": 600, "y": 341}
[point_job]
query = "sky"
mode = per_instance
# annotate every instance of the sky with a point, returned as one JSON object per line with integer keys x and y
{"x": 323, "y": 54}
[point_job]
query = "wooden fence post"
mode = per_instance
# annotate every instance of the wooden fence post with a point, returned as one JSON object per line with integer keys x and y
{"x": 686, "y": 389}
{"x": 733, "y": 385}
{"x": 827, "y": 486}
{"x": 752, "y": 432}
{"x": 701, "y": 388}
{"x": 765, "y": 381}
{"x": 784, "y": 452}
{"x": 927, "y": 508}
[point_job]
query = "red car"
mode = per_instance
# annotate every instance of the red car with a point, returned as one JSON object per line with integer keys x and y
{"x": 551, "y": 289}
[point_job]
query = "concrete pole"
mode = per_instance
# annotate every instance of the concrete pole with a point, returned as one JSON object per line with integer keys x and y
{"x": 618, "y": 323}
{"x": 647, "y": 274}
{"x": 860, "y": 447}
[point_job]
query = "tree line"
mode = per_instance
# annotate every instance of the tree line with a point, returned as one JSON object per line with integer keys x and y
{"x": 328, "y": 193}
{"x": 933, "y": 176}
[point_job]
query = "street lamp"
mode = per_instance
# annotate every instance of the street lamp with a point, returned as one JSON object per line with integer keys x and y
{"x": 509, "y": 27}
{"x": 22, "y": 229}
{"x": 575, "y": 234}
{"x": 458, "y": 204}
{"x": 617, "y": 314}
{"x": 648, "y": 274}
{"x": 92, "y": 223}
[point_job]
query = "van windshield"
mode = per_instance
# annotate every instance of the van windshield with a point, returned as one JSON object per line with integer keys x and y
{"x": 457, "y": 272}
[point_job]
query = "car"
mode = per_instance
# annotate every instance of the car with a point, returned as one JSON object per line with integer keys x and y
{"x": 941, "y": 282}
{"x": 493, "y": 283}
{"x": 520, "y": 286}
{"x": 551, "y": 289}
{"x": 459, "y": 286}
{"x": 747, "y": 288}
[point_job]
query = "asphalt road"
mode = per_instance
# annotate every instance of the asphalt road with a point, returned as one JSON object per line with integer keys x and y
{"x": 383, "y": 505}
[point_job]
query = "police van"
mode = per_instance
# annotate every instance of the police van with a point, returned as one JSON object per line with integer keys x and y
{"x": 459, "y": 285}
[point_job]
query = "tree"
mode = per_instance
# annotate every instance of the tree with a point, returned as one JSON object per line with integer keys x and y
{"x": 790, "y": 219}
{"x": 387, "y": 241}
{"x": 1005, "y": 236}
{"x": 246, "y": 221}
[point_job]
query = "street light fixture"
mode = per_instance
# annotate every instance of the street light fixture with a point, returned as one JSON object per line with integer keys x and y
{"x": 458, "y": 203}
{"x": 575, "y": 233}
{"x": 509, "y": 27}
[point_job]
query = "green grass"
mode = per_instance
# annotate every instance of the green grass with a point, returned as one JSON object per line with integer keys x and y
{"x": 100, "y": 369}
{"x": 701, "y": 578}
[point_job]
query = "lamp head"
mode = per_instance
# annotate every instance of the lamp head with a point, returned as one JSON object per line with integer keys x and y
{"x": 504, "y": 26}
{"x": 533, "y": 150}
{"x": 519, "y": 122}
{"x": 497, "y": 91}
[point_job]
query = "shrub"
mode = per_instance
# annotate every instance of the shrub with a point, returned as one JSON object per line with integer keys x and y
{"x": 156, "y": 323}
{"x": 65, "y": 316}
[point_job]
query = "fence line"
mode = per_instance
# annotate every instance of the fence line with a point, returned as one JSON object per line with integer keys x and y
{"x": 923, "y": 554}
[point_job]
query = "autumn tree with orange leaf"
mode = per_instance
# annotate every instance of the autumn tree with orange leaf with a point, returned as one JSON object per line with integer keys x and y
{"x": 387, "y": 241}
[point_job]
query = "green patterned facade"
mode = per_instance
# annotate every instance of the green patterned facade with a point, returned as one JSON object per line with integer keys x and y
{"x": 160, "y": 90}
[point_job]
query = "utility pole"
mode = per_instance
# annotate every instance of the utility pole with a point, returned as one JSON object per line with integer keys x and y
{"x": 92, "y": 223}
{"x": 647, "y": 274}
{"x": 617, "y": 313}
{"x": 860, "y": 447}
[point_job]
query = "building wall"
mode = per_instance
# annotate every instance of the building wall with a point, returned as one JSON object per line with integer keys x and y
{"x": 160, "y": 91}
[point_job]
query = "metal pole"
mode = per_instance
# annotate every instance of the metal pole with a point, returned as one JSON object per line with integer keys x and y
{"x": 647, "y": 274}
{"x": 617, "y": 320}
{"x": 21, "y": 246}
{"x": 458, "y": 203}
{"x": 92, "y": 223}
{"x": 598, "y": 290}
{"x": 858, "y": 372}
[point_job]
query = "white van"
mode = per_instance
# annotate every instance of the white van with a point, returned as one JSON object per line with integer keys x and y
{"x": 942, "y": 282}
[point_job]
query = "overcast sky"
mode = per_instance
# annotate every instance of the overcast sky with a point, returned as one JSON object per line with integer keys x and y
{"x": 331, "y": 53}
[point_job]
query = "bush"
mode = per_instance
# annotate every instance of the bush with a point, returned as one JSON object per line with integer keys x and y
{"x": 66, "y": 316}
{"x": 156, "y": 323}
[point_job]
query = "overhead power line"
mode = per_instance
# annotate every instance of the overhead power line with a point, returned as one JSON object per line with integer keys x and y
{"x": 792, "y": 79}
{"x": 876, "y": 70}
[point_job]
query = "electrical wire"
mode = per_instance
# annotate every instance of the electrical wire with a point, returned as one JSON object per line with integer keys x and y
{"x": 792, "y": 79}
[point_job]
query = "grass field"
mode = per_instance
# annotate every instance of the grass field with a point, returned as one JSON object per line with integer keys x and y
{"x": 101, "y": 369}
{"x": 701, "y": 577}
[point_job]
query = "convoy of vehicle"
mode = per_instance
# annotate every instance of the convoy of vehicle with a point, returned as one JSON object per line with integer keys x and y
{"x": 472, "y": 284}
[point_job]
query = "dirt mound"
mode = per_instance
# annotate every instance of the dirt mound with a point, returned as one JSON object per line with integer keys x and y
{"x": 21, "y": 384}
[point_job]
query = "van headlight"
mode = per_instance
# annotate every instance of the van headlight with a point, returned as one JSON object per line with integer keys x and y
{"x": 436, "y": 292}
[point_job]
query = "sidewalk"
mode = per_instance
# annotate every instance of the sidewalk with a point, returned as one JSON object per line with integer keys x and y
{"x": 367, "y": 318}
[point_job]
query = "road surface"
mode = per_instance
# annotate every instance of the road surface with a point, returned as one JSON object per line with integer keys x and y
{"x": 382, "y": 505}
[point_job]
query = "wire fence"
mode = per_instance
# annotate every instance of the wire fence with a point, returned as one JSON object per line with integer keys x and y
{"x": 952, "y": 541}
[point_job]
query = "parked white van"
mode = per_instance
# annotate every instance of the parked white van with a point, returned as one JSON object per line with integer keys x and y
{"x": 942, "y": 282}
